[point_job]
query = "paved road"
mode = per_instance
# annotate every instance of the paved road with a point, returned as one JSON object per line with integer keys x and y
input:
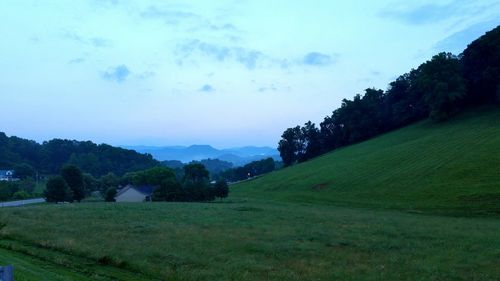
{"x": 22, "y": 202}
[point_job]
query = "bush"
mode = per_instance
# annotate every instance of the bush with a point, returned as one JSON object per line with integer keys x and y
{"x": 21, "y": 195}
{"x": 110, "y": 194}
{"x": 221, "y": 189}
{"x": 57, "y": 190}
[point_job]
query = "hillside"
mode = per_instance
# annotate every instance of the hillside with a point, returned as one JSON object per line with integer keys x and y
{"x": 444, "y": 167}
{"x": 48, "y": 157}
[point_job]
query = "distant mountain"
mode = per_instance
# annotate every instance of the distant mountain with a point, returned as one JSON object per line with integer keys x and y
{"x": 238, "y": 155}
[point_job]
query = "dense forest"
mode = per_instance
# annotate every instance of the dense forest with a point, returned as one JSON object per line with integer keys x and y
{"x": 249, "y": 170}
{"x": 223, "y": 170}
{"x": 50, "y": 156}
{"x": 437, "y": 89}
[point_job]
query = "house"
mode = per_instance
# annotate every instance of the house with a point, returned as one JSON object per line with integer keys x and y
{"x": 6, "y": 175}
{"x": 132, "y": 193}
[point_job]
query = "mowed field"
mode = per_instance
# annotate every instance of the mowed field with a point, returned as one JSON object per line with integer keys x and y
{"x": 250, "y": 241}
{"x": 420, "y": 203}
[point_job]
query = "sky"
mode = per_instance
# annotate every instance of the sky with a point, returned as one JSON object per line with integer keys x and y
{"x": 221, "y": 72}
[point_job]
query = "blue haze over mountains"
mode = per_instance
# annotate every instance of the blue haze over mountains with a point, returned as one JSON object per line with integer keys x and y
{"x": 238, "y": 156}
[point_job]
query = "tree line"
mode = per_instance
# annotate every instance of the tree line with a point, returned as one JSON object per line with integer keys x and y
{"x": 72, "y": 185}
{"x": 249, "y": 170}
{"x": 437, "y": 89}
{"x": 50, "y": 156}
{"x": 223, "y": 170}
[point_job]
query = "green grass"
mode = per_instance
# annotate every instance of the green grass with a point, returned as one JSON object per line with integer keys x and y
{"x": 448, "y": 167}
{"x": 52, "y": 266}
{"x": 421, "y": 203}
{"x": 255, "y": 241}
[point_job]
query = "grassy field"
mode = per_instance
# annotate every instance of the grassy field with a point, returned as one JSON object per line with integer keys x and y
{"x": 451, "y": 167}
{"x": 421, "y": 203}
{"x": 253, "y": 241}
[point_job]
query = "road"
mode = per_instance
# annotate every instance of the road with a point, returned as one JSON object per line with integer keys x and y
{"x": 22, "y": 202}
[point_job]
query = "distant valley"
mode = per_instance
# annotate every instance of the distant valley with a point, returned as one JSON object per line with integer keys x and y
{"x": 238, "y": 156}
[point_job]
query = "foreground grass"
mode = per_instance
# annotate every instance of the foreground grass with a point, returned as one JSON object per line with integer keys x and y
{"x": 252, "y": 241}
{"x": 450, "y": 167}
{"x": 28, "y": 267}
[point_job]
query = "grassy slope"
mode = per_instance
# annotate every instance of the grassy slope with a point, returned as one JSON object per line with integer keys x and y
{"x": 452, "y": 166}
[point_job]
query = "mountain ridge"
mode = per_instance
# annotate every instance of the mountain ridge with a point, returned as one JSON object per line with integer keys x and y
{"x": 237, "y": 155}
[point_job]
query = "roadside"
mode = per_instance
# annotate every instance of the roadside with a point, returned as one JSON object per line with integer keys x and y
{"x": 22, "y": 202}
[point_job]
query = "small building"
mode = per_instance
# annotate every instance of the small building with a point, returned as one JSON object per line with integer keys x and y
{"x": 132, "y": 193}
{"x": 6, "y": 175}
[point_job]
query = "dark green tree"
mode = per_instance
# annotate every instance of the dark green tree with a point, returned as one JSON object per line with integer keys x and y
{"x": 168, "y": 190}
{"x": 195, "y": 183}
{"x": 442, "y": 85}
{"x": 481, "y": 68}
{"x": 74, "y": 178}
{"x": 110, "y": 194}
{"x": 290, "y": 145}
{"x": 24, "y": 171}
{"x": 221, "y": 189}
{"x": 110, "y": 180}
{"x": 90, "y": 183}
{"x": 310, "y": 140}
{"x": 154, "y": 176}
{"x": 251, "y": 169}
{"x": 57, "y": 190}
{"x": 8, "y": 189}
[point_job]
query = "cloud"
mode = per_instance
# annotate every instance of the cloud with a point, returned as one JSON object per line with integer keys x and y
{"x": 169, "y": 16}
{"x": 146, "y": 75}
{"x": 429, "y": 13}
{"x": 76, "y": 61}
{"x": 457, "y": 42}
{"x": 118, "y": 74}
{"x": 223, "y": 27}
{"x": 318, "y": 59}
{"x": 434, "y": 13}
{"x": 207, "y": 88}
{"x": 218, "y": 52}
{"x": 97, "y": 42}
{"x": 267, "y": 88}
{"x": 249, "y": 58}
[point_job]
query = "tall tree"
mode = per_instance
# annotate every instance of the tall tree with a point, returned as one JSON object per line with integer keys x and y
{"x": 443, "y": 87}
{"x": 290, "y": 145}
{"x": 481, "y": 67}
{"x": 221, "y": 189}
{"x": 57, "y": 190}
{"x": 168, "y": 190}
{"x": 24, "y": 171}
{"x": 195, "y": 182}
{"x": 310, "y": 141}
{"x": 74, "y": 178}
{"x": 110, "y": 180}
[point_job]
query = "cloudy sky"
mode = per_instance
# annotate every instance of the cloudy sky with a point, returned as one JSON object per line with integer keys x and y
{"x": 222, "y": 72}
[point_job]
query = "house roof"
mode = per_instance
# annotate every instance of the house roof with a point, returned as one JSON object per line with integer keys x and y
{"x": 147, "y": 190}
